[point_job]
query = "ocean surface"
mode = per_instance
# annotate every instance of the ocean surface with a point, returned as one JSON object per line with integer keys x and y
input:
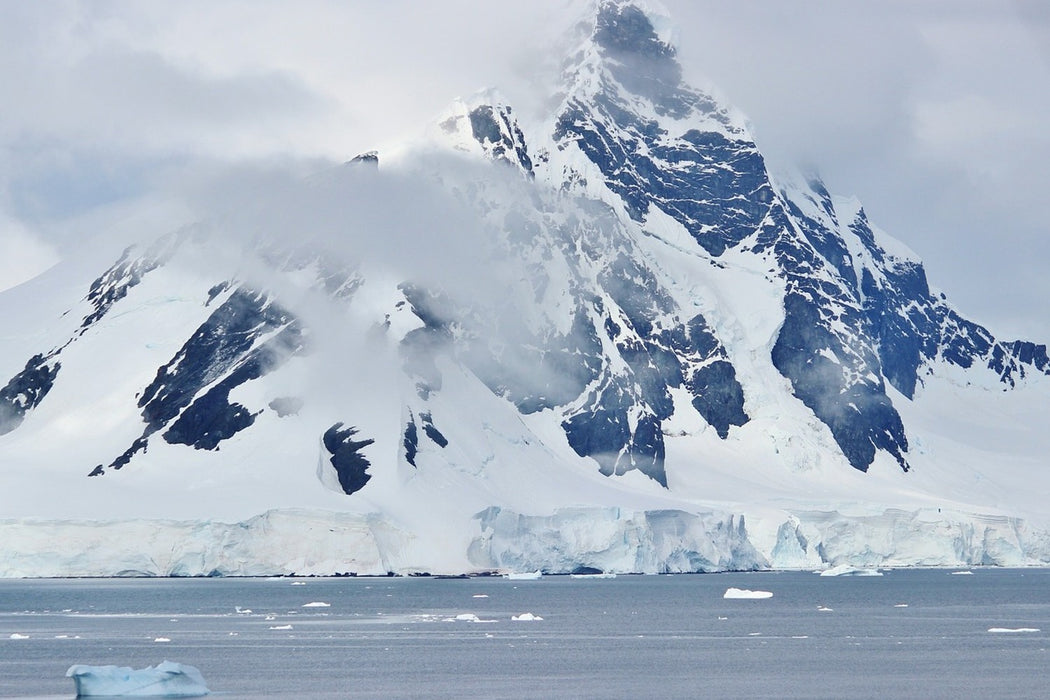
{"x": 906, "y": 634}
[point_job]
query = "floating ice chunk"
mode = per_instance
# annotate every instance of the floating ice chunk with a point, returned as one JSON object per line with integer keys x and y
{"x": 524, "y": 575}
{"x": 480, "y": 595}
{"x": 281, "y": 627}
{"x": 161, "y": 639}
{"x": 243, "y": 611}
{"x": 743, "y": 593}
{"x": 901, "y": 605}
{"x": 298, "y": 583}
{"x": 466, "y": 617}
{"x": 824, "y": 608}
{"x": 16, "y": 635}
{"x": 317, "y": 604}
{"x": 1008, "y": 630}
{"x": 847, "y": 570}
{"x": 167, "y": 679}
{"x": 526, "y": 617}
{"x": 962, "y": 573}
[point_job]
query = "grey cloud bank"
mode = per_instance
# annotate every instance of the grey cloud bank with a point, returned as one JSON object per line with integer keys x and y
{"x": 930, "y": 113}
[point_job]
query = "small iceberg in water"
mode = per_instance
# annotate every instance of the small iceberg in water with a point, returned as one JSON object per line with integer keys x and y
{"x": 526, "y": 617}
{"x": 745, "y": 594}
{"x": 847, "y": 570}
{"x": 167, "y": 679}
{"x": 524, "y": 575}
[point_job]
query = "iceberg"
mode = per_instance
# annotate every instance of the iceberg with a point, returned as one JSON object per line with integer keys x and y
{"x": 745, "y": 594}
{"x": 526, "y": 617}
{"x": 167, "y": 679}
{"x": 847, "y": 570}
{"x": 466, "y": 617}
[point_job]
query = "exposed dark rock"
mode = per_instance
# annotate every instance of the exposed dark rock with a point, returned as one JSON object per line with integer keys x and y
{"x": 26, "y": 390}
{"x": 370, "y": 158}
{"x": 410, "y": 435}
{"x": 717, "y": 188}
{"x": 601, "y": 430}
{"x": 222, "y": 345}
{"x": 215, "y": 291}
{"x": 210, "y": 419}
{"x": 714, "y": 185}
{"x": 860, "y": 415}
{"x": 432, "y": 432}
{"x": 350, "y": 465}
{"x": 125, "y": 274}
{"x": 498, "y": 132}
{"x": 718, "y": 396}
{"x": 225, "y": 352}
{"x": 419, "y": 347}
{"x": 139, "y": 445}
{"x": 410, "y": 441}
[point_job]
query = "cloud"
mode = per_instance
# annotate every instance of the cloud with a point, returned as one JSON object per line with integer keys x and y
{"x": 22, "y": 255}
{"x": 126, "y": 101}
{"x": 929, "y": 112}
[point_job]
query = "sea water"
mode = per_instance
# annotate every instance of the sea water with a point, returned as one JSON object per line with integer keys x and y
{"x": 907, "y": 633}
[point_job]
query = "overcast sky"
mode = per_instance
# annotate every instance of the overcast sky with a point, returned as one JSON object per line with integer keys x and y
{"x": 934, "y": 113}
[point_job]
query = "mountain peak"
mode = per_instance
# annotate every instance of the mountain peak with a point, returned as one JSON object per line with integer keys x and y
{"x": 629, "y": 28}
{"x": 484, "y": 124}
{"x": 639, "y": 57}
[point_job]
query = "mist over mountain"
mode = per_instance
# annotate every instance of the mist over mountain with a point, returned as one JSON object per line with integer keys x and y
{"x": 604, "y": 338}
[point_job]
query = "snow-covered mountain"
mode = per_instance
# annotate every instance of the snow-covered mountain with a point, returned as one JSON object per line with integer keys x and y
{"x": 606, "y": 339}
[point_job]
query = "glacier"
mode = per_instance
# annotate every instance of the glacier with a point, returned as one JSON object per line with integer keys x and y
{"x": 166, "y": 679}
{"x": 570, "y": 540}
{"x": 607, "y": 338}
